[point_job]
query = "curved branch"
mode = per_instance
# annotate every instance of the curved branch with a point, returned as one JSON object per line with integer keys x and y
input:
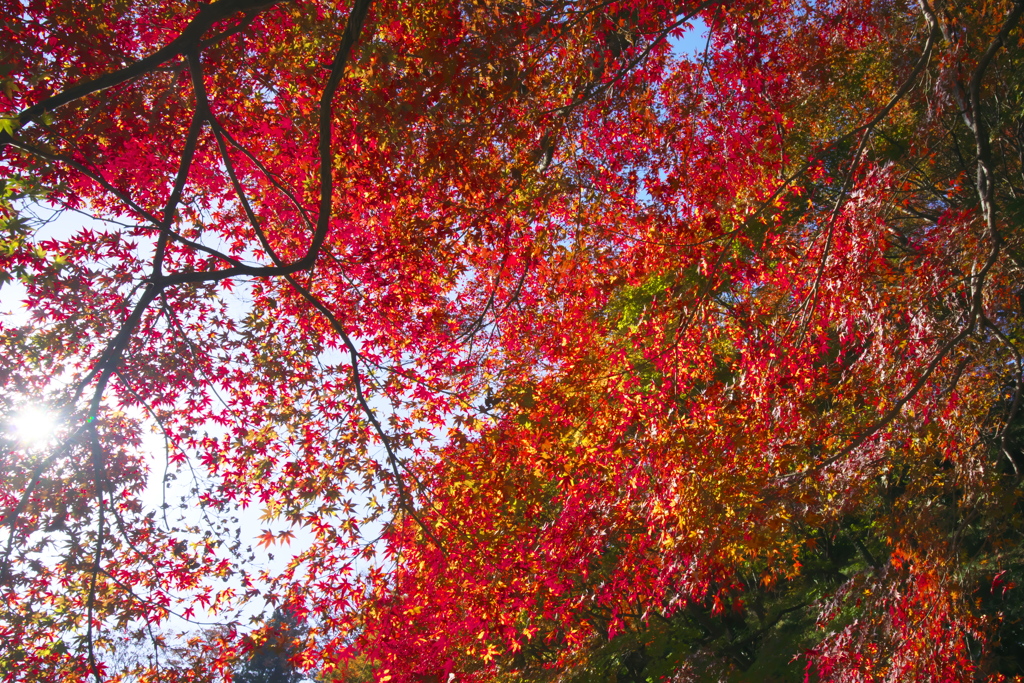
{"x": 207, "y": 16}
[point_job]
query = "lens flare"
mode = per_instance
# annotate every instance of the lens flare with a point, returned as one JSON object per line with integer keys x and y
{"x": 33, "y": 426}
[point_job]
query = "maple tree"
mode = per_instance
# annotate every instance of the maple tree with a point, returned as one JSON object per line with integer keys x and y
{"x": 576, "y": 357}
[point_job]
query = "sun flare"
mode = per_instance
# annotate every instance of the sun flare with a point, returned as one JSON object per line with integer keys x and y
{"x": 33, "y": 426}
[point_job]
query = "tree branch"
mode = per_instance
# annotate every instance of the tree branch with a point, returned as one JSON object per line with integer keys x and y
{"x": 207, "y": 16}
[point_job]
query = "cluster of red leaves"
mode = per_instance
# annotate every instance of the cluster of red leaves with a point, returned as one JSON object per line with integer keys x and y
{"x": 602, "y": 335}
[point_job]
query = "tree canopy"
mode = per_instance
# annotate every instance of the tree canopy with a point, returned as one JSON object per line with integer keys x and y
{"x": 572, "y": 355}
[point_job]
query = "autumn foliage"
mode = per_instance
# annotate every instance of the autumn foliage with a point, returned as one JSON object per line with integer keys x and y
{"x": 573, "y": 351}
